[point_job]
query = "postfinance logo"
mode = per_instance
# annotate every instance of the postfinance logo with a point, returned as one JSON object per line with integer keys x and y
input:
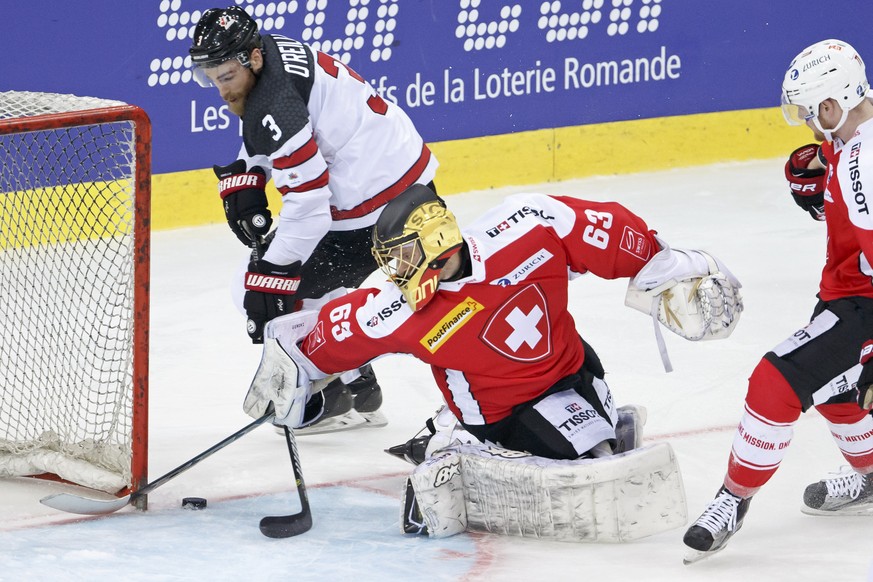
{"x": 454, "y": 320}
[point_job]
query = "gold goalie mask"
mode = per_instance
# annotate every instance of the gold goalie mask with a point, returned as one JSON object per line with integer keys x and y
{"x": 413, "y": 238}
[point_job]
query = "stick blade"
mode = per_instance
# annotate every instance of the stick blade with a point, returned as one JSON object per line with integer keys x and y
{"x": 286, "y": 526}
{"x": 84, "y": 505}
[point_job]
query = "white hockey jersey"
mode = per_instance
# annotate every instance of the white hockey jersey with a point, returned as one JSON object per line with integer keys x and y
{"x": 336, "y": 151}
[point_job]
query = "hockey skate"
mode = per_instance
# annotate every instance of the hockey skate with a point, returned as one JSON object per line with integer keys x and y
{"x": 411, "y": 520}
{"x": 348, "y": 406}
{"x": 439, "y": 432}
{"x": 844, "y": 493}
{"x": 629, "y": 428}
{"x": 712, "y": 530}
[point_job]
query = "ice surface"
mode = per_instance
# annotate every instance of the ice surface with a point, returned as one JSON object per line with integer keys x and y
{"x": 202, "y": 363}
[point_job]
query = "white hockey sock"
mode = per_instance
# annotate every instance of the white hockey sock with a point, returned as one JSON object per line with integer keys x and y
{"x": 759, "y": 446}
{"x": 855, "y": 442}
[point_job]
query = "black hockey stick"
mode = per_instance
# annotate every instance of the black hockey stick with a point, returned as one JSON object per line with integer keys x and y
{"x": 286, "y": 526}
{"x": 87, "y": 506}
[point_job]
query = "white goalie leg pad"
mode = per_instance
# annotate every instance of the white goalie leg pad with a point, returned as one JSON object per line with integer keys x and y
{"x": 439, "y": 492}
{"x": 448, "y": 432}
{"x": 609, "y": 499}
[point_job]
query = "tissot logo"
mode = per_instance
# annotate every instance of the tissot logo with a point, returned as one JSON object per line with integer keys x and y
{"x": 387, "y": 311}
{"x": 855, "y": 176}
{"x": 515, "y": 218}
{"x": 578, "y": 418}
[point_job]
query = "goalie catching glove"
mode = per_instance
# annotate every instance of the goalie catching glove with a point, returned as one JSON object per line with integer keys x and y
{"x": 807, "y": 184}
{"x": 245, "y": 202}
{"x": 270, "y": 293}
{"x": 689, "y": 292}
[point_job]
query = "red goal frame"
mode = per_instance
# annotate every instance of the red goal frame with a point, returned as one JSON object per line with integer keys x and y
{"x": 141, "y": 276}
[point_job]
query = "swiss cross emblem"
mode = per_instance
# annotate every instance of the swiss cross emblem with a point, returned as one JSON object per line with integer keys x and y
{"x": 520, "y": 328}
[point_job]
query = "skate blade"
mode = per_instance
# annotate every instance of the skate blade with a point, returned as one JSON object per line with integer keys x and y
{"x": 374, "y": 419}
{"x": 351, "y": 420}
{"x": 694, "y": 556}
{"x": 861, "y": 510}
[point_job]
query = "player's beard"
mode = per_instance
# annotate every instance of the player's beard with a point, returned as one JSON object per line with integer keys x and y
{"x": 237, "y": 106}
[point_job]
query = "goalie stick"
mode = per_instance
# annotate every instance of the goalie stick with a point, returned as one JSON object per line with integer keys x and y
{"x": 286, "y": 526}
{"x": 88, "y": 506}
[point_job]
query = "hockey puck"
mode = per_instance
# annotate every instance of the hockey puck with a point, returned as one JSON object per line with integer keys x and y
{"x": 193, "y": 503}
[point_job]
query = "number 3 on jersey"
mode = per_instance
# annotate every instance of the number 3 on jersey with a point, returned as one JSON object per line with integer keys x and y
{"x": 595, "y": 233}
{"x": 339, "y": 315}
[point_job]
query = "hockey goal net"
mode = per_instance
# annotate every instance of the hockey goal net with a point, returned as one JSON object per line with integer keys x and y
{"x": 74, "y": 284}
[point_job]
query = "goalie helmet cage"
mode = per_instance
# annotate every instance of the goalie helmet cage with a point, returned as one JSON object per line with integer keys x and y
{"x": 74, "y": 290}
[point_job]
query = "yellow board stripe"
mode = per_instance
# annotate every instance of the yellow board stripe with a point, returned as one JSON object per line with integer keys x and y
{"x": 548, "y": 155}
{"x": 63, "y": 214}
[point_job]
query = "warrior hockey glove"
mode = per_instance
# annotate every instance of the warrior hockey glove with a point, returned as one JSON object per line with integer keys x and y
{"x": 807, "y": 185}
{"x": 865, "y": 381}
{"x": 270, "y": 293}
{"x": 245, "y": 202}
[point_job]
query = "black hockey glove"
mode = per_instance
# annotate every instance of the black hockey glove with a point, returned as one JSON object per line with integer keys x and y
{"x": 865, "y": 381}
{"x": 270, "y": 293}
{"x": 245, "y": 202}
{"x": 807, "y": 186}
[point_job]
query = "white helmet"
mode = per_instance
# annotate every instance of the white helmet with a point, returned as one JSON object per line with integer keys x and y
{"x": 830, "y": 69}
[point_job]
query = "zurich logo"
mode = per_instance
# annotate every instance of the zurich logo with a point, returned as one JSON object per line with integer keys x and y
{"x": 794, "y": 74}
{"x": 504, "y": 282}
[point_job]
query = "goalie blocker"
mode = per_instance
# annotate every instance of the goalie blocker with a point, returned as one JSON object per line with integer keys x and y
{"x": 486, "y": 488}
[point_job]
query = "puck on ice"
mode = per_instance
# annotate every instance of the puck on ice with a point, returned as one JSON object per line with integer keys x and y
{"x": 193, "y": 503}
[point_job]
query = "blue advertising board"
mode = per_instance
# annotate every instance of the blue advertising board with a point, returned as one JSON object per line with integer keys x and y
{"x": 460, "y": 68}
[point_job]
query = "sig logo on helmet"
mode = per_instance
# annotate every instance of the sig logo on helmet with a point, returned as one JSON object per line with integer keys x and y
{"x": 413, "y": 239}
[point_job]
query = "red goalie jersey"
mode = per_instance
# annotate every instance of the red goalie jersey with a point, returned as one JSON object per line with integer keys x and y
{"x": 502, "y": 335}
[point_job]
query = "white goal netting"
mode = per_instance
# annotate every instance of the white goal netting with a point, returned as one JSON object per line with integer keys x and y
{"x": 70, "y": 258}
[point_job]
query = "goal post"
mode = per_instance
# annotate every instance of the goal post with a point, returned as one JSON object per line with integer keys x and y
{"x": 74, "y": 289}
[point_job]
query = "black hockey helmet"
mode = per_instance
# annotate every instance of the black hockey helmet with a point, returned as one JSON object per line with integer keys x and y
{"x": 223, "y": 34}
{"x": 412, "y": 240}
